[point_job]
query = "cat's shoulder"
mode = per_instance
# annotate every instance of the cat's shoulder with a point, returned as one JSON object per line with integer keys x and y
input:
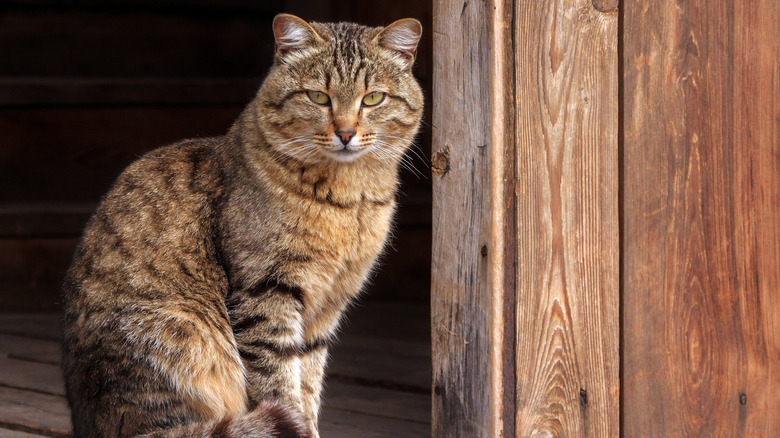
{"x": 186, "y": 167}
{"x": 189, "y": 151}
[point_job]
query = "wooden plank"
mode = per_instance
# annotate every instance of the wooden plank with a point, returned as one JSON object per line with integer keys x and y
{"x": 235, "y": 6}
{"x": 31, "y": 272}
{"x": 334, "y": 423}
{"x": 385, "y": 362}
{"x": 29, "y": 349}
{"x": 701, "y": 208}
{"x": 388, "y": 362}
{"x": 378, "y": 402}
{"x": 567, "y": 238}
{"x": 39, "y": 219}
{"x": 399, "y": 321}
{"x": 36, "y": 92}
{"x": 32, "y": 325}
{"x": 46, "y": 414}
{"x": 134, "y": 44}
{"x": 34, "y": 413}
{"x": 60, "y": 154}
{"x": 7, "y": 433}
{"x": 31, "y": 376}
{"x": 461, "y": 303}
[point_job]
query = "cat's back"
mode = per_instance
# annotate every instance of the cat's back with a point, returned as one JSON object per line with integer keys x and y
{"x": 156, "y": 220}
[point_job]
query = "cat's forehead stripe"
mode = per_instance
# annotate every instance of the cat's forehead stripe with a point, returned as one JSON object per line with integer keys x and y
{"x": 349, "y": 54}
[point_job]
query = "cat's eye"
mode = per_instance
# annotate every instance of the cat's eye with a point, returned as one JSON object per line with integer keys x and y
{"x": 318, "y": 97}
{"x": 373, "y": 98}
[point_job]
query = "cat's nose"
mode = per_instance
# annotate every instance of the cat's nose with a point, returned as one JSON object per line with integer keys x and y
{"x": 345, "y": 136}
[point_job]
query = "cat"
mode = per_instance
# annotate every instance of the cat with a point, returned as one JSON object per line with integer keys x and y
{"x": 209, "y": 283}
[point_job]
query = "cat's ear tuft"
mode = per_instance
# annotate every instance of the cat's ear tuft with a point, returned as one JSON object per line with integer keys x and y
{"x": 402, "y": 37}
{"x": 292, "y": 33}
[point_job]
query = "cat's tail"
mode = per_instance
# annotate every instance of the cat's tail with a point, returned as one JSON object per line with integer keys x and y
{"x": 267, "y": 420}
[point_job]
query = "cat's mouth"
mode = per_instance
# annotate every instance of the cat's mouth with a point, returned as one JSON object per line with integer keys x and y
{"x": 345, "y": 154}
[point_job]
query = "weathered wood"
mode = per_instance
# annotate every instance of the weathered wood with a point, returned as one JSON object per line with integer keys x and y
{"x": 32, "y": 325}
{"x": 44, "y": 219}
{"x": 30, "y": 349}
{"x": 385, "y": 362}
{"x": 342, "y": 424}
{"x": 370, "y": 426}
{"x": 32, "y": 376}
{"x": 567, "y": 219}
{"x": 370, "y": 359}
{"x": 7, "y": 433}
{"x": 134, "y": 44}
{"x": 525, "y": 133}
{"x": 33, "y": 412}
{"x": 31, "y": 271}
{"x": 398, "y": 321}
{"x": 350, "y": 409}
{"x": 74, "y": 155}
{"x": 59, "y": 92}
{"x": 379, "y": 402}
{"x": 460, "y": 296}
{"x": 701, "y": 218}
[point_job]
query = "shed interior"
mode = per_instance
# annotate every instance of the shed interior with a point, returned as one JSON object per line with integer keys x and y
{"x": 88, "y": 86}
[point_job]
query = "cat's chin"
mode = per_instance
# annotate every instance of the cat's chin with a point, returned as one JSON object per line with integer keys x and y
{"x": 345, "y": 155}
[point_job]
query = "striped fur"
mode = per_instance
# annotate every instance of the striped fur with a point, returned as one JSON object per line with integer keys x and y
{"x": 211, "y": 280}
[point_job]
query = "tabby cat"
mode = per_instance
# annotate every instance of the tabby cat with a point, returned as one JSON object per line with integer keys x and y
{"x": 209, "y": 283}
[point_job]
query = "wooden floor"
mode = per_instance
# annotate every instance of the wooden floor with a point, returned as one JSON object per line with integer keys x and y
{"x": 378, "y": 378}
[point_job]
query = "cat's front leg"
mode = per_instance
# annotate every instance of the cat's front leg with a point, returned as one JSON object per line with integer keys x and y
{"x": 312, "y": 377}
{"x": 267, "y": 326}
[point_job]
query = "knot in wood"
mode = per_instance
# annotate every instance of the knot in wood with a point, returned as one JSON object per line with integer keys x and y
{"x": 605, "y": 5}
{"x": 440, "y": 162}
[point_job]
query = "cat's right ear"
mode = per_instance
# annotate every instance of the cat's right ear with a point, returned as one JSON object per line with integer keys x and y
{"x": 293, "y": 34}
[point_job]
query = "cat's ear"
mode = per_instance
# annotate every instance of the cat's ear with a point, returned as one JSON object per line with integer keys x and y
{"x": 402, "y": 37}
{"x": 292, "y": 34}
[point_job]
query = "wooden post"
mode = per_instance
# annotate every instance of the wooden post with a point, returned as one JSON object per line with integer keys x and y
{"x": 701, "y": 218}
{"x": 461, "y": 299}
{"x": 525, "y": 244}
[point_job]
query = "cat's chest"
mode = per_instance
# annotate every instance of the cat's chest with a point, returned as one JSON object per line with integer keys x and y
{"x": 339, "y": 235}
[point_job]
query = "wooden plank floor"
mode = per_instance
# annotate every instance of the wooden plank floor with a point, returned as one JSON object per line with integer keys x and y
{"x": 378, "y": 378}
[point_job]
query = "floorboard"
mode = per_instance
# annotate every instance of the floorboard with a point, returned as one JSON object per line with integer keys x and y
{"x": 28, "y": 411}
{"x": 378, "y": 384}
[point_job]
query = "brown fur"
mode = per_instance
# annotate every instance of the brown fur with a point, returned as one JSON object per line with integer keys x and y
{"x": 211, "y": 279}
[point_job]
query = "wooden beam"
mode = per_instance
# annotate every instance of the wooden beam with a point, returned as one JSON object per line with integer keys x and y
{"x": 461, "y": 301}
{"x": 525, "y": 254}
{"x": 566, "y": 95}
{"x": 701, "y": 215}
{"x": 67, "y": 92}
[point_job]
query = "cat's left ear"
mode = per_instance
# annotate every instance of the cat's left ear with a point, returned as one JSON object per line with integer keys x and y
{"x": 402, "y": 37}
{"x": 293, "y": 34}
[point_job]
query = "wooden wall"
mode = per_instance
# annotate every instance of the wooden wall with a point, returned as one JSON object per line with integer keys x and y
{"x": 88, "y": 86}
{"x": 606, "y": 254}
{"x": 701, "y": 219}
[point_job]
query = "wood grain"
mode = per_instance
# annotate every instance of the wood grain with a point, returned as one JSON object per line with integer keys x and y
{"x": 38, "y": 377}
{"x": 382, "y": 362}
{"x": 701, "y": 219}
{"x": 567, "y": 220}
{"x": 44, "y": 326}
{"x": 30, "y": 349}
{"x": 460, "y": 298}
{"x": 342, "y": 424}
{"x": 63, "y": 92}
{"x": 34, "y": 413}
{"x": 66, "y": 41}
{"x": 31, "y": 271}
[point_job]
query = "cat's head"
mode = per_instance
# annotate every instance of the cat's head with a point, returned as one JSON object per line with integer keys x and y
{"x": 341, "y": 92}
